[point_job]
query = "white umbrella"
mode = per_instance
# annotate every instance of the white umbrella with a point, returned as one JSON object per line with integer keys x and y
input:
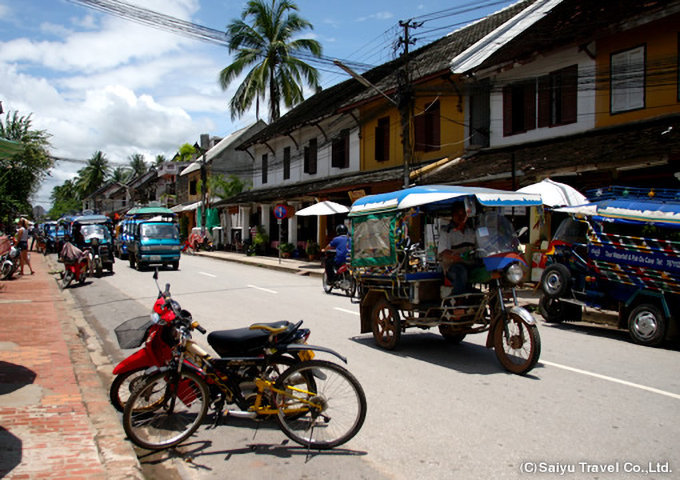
{"x": 555, "y": 194}
{"x": 323, "y": 208}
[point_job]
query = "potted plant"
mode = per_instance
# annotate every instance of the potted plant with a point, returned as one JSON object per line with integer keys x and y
{"x": 286, "y": 249}
{"x": 260, "y": 240}
{"x": 313, "y": 250}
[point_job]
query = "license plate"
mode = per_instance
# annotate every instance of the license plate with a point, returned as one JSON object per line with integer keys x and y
{"x": 306, "y": 355}
{"x": 155, "y": 258}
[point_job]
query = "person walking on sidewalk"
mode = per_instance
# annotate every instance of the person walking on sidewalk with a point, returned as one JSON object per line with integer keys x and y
{"x": 22, "y": 242}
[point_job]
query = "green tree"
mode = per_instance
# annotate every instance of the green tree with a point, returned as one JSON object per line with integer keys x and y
{"x": 268, "y": 47}
{"x": 225, "y": 187}
{"x": 186, "y": 153}
{"x": 159, "y": 160}
{"x": 65, "y": 198}
{"x": 138, "y": 165}
{"x": 22, "y": 173}
{"x": 121, "y": 174}
{"x": 94, "y": 174}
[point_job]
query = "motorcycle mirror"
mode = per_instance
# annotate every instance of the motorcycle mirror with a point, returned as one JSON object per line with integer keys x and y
{"x": 522, "y": 231}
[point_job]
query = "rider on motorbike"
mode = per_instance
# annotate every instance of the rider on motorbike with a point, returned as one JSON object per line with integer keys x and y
{"x": 341, "y": 244}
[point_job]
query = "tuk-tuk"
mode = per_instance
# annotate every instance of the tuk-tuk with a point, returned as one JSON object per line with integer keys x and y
{"x": 154, "y": 241}
{"x": 619, "y": 253}
{"x": 126, "y": 227}
{"x": 95, "y": 232}
{"x": 401, "y": 284}
{"x": 53, "y": 235}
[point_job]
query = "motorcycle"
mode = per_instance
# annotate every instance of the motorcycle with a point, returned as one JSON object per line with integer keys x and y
{"x": 342, "y": 278}
{"x": 155, "y": 333}
{"x": 76, "y": 264}
{"x": 9, "y": 262}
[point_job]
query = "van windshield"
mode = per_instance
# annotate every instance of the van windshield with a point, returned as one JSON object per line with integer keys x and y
{"x": 159, "y": 231}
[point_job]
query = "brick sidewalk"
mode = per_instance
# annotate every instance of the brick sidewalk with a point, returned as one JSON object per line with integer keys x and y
{"x": 55, "y": 418}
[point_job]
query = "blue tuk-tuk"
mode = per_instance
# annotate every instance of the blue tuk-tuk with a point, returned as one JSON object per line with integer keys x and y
{"x": 395, "y": 240}
{"x": 126, "y": 227}
{"x": 622, "y": 254}
{"x": 95, "y": 232}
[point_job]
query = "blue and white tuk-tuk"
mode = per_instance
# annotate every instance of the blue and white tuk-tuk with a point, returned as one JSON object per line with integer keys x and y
{"x": 626, "y": 260}
{"x": 401, "y": 284}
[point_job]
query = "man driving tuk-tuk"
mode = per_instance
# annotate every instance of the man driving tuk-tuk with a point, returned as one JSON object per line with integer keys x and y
{"x": 94, "y": 232}
{"x": 414, "y": 268}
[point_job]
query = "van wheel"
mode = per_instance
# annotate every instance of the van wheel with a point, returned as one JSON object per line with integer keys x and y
{"x": 175, "y": 265}
{"x": 555, "y": 280}
{"x": 647, "y": 325}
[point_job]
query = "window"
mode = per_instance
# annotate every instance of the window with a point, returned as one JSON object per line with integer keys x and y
{"x": 192, "y": 187}
{"x": 286, "y": 163}
{"x": 341, "y": 150}
{"x": 265, "y": 165}
{"x": 382, "y": 140}
{"x": 310, "y": 157}
{"x": 427, "y": 131}
{"x": 519, "y": 107}
{"x": 557, "y": 97}
{"x": 628, "y": 80}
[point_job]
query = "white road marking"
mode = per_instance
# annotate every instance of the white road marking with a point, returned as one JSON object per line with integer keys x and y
{"x": 263, "y": 289}
{"x": 208, "y": 274}
{"x": 612, "y": 379}
{"x": 347, "y": 311}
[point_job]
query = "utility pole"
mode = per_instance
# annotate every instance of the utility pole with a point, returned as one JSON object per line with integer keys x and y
{"x": 405, "y": 96}
{"x": 204, "y": 180}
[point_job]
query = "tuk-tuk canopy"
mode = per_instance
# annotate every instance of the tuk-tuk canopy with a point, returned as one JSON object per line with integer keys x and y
{"x": 92, "y": 219}
{"x": 150, "y": 212}
{"x": 630, "y": 211}
{"x": 439, "y": 196}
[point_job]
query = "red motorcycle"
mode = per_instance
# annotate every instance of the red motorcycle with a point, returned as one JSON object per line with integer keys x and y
{"x": 156, "y": 333}
{"x": 76, "y": 264}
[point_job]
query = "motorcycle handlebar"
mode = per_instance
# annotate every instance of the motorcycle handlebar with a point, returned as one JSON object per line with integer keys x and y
{"x": 201, "y": 329}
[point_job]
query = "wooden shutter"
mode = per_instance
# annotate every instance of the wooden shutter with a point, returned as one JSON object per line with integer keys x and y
{"x": 419, "y": 133}
{"x": 544, "y": 101}
{"x": 530, "y": 106}
{"x": 507, "y": 110}
{"x": 569, "y": 94}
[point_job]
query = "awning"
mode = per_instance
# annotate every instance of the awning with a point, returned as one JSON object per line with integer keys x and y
{"x": 555, "y": 194}
{"x": 322, "y": 208}
{"x": 9, "y": 148}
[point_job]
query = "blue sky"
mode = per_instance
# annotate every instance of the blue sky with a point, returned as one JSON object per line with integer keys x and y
{"x": 98, "y": 82}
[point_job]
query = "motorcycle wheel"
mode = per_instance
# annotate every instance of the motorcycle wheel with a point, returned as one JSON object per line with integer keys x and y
{"x": 385, "y": 324}
{"x": 519, "y": 351}
{"x": 6, "y": 271}
{"x": 124, "y": 385}
{"x": 68, "y": 278}
{"x": 327, "y": 287}
{"x": 352, "y": 285}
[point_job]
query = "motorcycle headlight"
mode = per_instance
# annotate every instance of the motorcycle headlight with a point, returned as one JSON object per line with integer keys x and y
{"x": 514, "y": 274}
{"x": 155, "y": 318}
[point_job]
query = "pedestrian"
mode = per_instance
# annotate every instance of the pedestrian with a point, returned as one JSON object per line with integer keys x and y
{"x": 22, "y": 243}
{"x": 35, "y": 234}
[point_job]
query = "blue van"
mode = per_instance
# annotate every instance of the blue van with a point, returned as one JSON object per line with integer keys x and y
{"x": 126, "y": 227}
{"x": 154, "y": 242}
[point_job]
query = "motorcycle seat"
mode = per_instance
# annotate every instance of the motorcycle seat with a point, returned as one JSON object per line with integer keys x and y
{"x": 242, "y": 340}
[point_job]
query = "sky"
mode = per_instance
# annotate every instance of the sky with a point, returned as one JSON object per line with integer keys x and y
{"x": 97, "y": 82}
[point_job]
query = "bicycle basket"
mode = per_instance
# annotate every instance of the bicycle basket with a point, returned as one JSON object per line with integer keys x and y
{"x": 133, "y": 332}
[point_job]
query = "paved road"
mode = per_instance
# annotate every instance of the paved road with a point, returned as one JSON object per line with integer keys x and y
{"x": 595, "y": 401}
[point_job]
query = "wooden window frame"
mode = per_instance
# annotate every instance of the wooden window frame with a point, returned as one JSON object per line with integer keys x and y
{"x": 382, "y": 140}
{"x": 340, "y": 150}
{"x": 631, "y": 106}
{"x": 311, "y": 157}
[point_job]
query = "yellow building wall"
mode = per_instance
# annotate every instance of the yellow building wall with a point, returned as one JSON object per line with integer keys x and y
{"x": 660, "y": 39}
{"x": 452, "y": 130}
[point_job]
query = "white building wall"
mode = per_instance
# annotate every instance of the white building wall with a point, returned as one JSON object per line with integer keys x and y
{"x": 539, "y": 67}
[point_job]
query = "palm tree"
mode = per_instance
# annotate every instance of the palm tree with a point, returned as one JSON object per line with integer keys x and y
{"x": 94, "y": 174}
{"x": 121, "y": 174}
{"x": 267, "y": 47}
{"x": 160, "y": 159}
{"x": 138, "y": 165}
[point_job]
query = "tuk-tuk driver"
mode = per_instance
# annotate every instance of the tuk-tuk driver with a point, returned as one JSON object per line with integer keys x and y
{"x": 455, "y": 241}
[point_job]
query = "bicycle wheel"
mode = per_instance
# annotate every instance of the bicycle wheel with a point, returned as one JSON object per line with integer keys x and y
{"x": 323, "y": 405}
{"x": 123, "y": 385}
{"x": 166, "y": 410}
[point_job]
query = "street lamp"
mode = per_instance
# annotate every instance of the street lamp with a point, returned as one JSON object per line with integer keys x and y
{"x": 404, "y": 107}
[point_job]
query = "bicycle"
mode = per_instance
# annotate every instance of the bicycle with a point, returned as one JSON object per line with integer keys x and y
{"x": 317, "y": 403}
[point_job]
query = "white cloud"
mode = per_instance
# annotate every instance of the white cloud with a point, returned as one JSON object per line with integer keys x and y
{"x": 376, "y": 16}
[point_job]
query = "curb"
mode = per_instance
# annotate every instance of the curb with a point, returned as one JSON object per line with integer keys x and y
{"x": 89, "y": 364}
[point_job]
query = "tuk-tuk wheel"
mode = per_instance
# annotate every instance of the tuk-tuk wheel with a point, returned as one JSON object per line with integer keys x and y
{"x": 647, "y": 325}
{"x": 555, "y": 310}
{"x": 518, "y": 349}
{"x": 385, "y": 324}
{"x": 555, "y": 280}
{"x": 175, "y": 265}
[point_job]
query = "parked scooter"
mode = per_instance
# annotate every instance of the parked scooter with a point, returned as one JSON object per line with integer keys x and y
{"x": 341, "y": 277}
{"x": 156, "y": 336}
{"x": 9, "y": 262}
